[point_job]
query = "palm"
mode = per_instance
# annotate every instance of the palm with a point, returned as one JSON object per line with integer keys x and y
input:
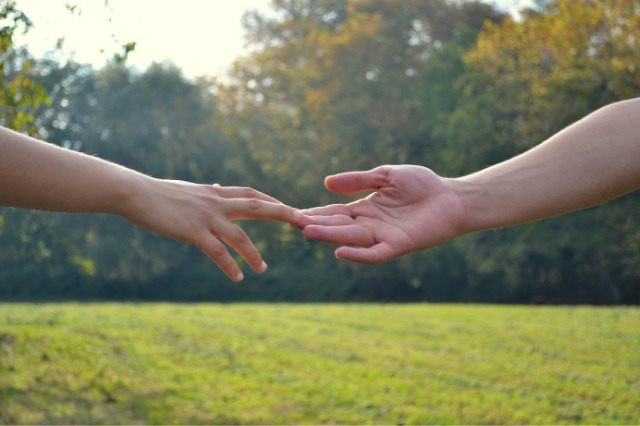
{"x": 412, "y": 209}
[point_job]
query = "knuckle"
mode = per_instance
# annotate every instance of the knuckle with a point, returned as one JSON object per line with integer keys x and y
{"x": 218, "y": 251}
{"x": 283, "y": 212}
{"x": 240, "y": 237}
{"x": 213, "y": 192}
{"x": 254, "y": 259}
{"x": 374, "y": 260}
{"x": 252, "y": 256}
{"x": 254, "y": 204}
{"x": 192, "y": 241}
{"x": 193, "y": 238}
{"x": 249, "y": 192}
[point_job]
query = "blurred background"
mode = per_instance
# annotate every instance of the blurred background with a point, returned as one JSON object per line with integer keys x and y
{"x": 278, "y": 94}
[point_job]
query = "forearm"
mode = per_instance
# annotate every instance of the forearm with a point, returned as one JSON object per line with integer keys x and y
{"x": 42, "y": 176}
{"x": 592, "y": 161}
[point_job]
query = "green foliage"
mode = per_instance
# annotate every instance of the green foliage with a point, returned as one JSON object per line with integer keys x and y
{"x": 157, "y": 123}
{"x": 521, "y": 83}
{"x": 19, "y": 94}
{"x": 330, "y": 86}
{"x": 318, "y": 364}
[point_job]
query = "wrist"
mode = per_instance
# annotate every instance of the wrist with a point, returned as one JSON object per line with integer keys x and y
{"x": 128, "y": 188}
{"x": 503, "y": 196}
{"x": 472, "y": 196}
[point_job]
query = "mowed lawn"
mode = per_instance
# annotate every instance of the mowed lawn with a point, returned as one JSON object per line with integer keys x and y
{"x": 318, "y": 364}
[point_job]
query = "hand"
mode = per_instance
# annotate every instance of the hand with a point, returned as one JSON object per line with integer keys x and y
{"x": 412, "y": 209}
{"x": 200, "y": 214}
{"x": 42, "y": 176}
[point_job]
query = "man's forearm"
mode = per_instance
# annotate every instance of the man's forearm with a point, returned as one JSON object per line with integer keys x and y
{"x": 592, "y": 161}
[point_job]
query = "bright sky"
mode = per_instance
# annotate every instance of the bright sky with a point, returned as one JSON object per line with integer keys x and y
{"x": 203, "y": 37}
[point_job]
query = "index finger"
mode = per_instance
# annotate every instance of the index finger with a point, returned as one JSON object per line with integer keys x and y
{"x": 243, "y": 192}
{"x": 330, "y": 210}
{"x": 250, "y": 209}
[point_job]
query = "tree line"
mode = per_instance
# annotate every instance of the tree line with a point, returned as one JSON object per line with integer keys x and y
{"x": 331, "y": 86}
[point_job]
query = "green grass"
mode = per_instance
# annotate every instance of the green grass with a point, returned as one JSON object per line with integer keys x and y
{"x": 320, "y": 364}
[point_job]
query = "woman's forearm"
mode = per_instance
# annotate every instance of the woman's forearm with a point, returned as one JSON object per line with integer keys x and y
{"x": 592, "y": 161}
{"x": 42, "y": 176}
{"x": 38, "y": 175}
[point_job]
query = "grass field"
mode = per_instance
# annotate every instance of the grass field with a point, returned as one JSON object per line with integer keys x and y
{"x": 319, "y": 364}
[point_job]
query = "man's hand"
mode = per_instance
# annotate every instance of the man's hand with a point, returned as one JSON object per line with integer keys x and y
{"x": 411, "y": 209}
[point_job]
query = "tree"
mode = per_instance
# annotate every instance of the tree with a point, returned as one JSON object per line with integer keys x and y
{"x": 560, "y": 64}
{"x": 521, "y": 83}
{"x": 330, "y": 87}
{"x": 19, "y": 95}
{"x": 156, "y": 122}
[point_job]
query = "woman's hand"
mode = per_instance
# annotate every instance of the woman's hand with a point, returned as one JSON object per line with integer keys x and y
{"x": 41, "y": 176}
{"x": 202, "y": 215}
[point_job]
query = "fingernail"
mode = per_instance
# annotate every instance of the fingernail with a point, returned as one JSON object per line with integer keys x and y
{"x": 298, "y": 215}
{"x": 239, "y": 277}
{"x": 263, "y": 267}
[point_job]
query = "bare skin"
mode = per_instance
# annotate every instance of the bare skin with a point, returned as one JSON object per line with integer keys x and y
{"x": 42, "y": 176}
{"x": 590, "y": 162}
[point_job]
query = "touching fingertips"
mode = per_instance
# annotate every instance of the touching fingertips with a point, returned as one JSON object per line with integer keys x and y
{"x": 298, "y": 216}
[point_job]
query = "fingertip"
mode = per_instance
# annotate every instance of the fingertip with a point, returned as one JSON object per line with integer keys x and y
{"x": 327, "y": 181}
{"x": 258, "y": 268}
{"x": 304, "y": 223}
{"x": 217, "y": 252}
{"x": 298, "y": 216}
{"x": 342, "y": 253}
{"x": 330, "y": 182}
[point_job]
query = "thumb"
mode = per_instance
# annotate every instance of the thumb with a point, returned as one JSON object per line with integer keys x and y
{"x": 354, "y": 182}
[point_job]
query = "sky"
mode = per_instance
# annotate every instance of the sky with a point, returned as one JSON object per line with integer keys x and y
{"x": 203, "y": 37}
